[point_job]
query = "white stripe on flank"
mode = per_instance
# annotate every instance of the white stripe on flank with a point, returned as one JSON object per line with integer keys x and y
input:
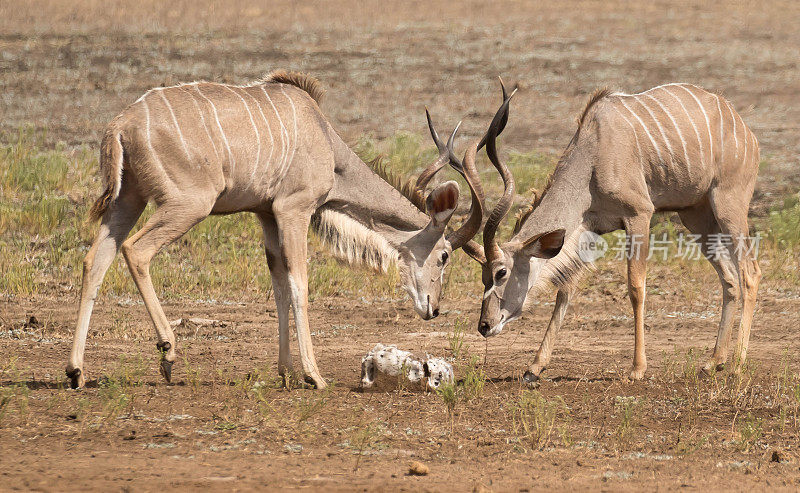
{"x": 294, "y": 117}
{"x": 744, "y": 129}
{"x": 735, "y": 138}
{"x": 677, "y": 128}
{"x": 284, "y": 132}
{"x": 202, "y": 120}
{"x": 708, "y": 122}
{"x": 635, "y": 133}
{"x": 660, "y": 129}
{"x": 175, "y": 121}
{"x": 691, "y": 120}
{"x": 622, "y": 100}
{"x": 147, "y": 131}
{"x": 269, "y": 131}
{"x": 219, "y": 126}
{"x": 252, "y": 122}
{"x": 721, "y": 142}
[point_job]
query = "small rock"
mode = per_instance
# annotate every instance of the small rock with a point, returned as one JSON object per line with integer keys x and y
{"x": 293, "y": 447}
{"x": 159, "y": 445}
{"x": 417, "y": 468}
{"x": 616, "y": 475}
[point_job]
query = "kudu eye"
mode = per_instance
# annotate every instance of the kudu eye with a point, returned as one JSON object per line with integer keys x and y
{"x": 500, "y": 274}
{"x": 445, "y": 256}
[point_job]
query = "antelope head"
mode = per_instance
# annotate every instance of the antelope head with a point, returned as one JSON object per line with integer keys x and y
{"x": 424, "y": 256}
{"x": 510, "y": 270}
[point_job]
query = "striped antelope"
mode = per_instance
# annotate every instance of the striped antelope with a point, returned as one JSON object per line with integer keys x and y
{"x": 204, "y": 148}
{"x": 676, "y": 148}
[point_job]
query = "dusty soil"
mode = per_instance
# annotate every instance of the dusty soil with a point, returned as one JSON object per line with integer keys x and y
{"x": 69, "y": 70}
{"x": 204, "y": 431}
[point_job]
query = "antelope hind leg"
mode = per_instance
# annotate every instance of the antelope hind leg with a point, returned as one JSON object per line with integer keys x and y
{"x": 167, "y": 224}
{"x": 115, "y": 226}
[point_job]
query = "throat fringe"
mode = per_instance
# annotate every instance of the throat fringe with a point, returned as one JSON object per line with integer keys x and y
{"x": 351, "y": 241}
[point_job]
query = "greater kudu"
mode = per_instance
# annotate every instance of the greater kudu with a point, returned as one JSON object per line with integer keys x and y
{"x": 675, "y": 147}
{"x": 205, "y": 148}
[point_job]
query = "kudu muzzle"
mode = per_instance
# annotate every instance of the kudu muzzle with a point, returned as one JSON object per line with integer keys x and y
{"x": 490, "y": 320}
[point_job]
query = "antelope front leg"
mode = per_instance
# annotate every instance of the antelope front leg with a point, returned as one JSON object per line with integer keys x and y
{"x": 293, "y": 228}
{"x": 279, "y": 272}
{"x": 546, "y": 347}
{"x": 638, "y": 230}
{"x": 752, "y": 278}
{"x": 280, "y": 287}
{"x": 726, "y": 269}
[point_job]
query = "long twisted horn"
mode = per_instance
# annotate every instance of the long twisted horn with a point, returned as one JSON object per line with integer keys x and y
{"x": 472, "y": 225}
{"x": 470, "y": 174}
{"x": 504, "y": 204}
{"x": 503, "y": 121}
{"x": 461, "y": 238}
{"x": 445, "y": 154}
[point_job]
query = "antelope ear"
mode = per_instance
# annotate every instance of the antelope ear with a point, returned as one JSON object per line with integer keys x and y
{"x": 546, "y": 245}
{"x": 442, "y": 202}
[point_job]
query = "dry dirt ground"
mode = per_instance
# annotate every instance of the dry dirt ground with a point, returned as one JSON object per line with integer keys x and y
{"x": 68, "y": 69}
{"x": 203, "y": 431}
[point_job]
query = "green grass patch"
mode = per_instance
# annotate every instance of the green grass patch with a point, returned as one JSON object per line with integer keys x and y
{"x": 45, "y": 195}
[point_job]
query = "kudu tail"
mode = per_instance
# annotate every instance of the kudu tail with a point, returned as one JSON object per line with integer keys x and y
{"x": 111, "y": 156}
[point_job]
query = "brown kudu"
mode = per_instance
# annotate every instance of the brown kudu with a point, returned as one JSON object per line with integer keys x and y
{"x": 205, "y": 148}
{"x": 676, "y": 148}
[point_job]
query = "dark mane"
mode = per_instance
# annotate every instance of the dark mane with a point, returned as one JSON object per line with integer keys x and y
{"x": 597, "y": 95}
{"x": 298, "y": 79}
{"x": 406, "y": 186}
{"x": 526, "y": 211}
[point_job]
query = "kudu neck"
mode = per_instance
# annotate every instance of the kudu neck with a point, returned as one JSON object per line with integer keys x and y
{"x": 565, "y": 202}
{"x": 366, "y": 197}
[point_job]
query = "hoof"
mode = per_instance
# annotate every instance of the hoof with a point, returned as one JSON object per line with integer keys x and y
{"x": 291, "y": 380}
{"x": 530, "y": 378}
{"x": 636, "y": 374}
{"x": 315, "y": 382}
{"x": 710, "y": 368}
{"x": 76, "y": 379}
{"x": 166, "y": 370}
